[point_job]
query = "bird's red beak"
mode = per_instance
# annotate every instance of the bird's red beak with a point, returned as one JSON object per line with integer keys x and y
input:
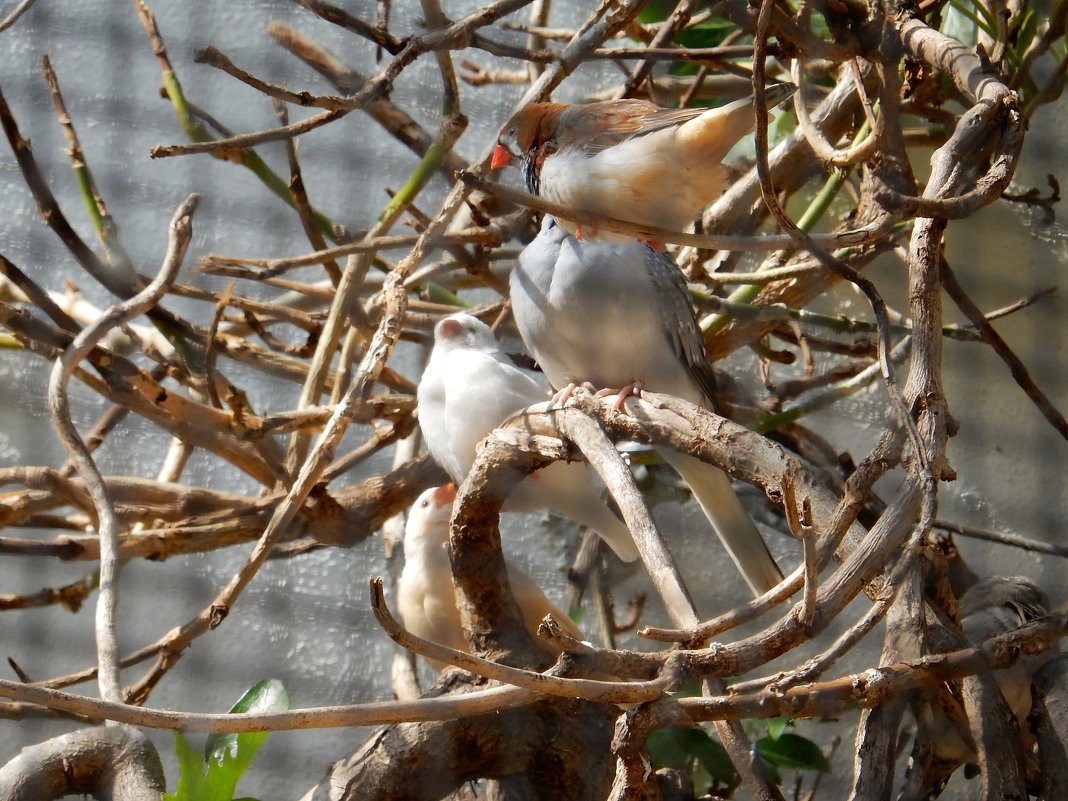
{"x": 501, "y": 157}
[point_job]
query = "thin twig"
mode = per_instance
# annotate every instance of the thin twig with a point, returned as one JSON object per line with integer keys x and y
{"x": 614, "y": 692}
{"x": 17, "y": 12}
{"x": 1019, "y": 370}
{"x": 651, "y": 233}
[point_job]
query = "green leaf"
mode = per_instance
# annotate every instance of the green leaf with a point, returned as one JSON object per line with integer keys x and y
{"x": 776, "y": 726}
{"x": 193, "y": 783}
{"x": 213, "y": 776}
{"x": 689, "y": 689}
{"x": 678, "y": 748}
{"x": 656, "y": 11}
{"x": 267, "y": 695}
{"x": 1025, "y": 31}
{"x": 792, "y": 751}
{"x": 819, "y": 26}
{"x": 230, "y": 755}
{"x": 709, "y": 33}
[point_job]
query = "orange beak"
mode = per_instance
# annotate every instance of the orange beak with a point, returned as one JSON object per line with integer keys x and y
{"x": 444, "y": 494}
{"x": 501, "y": 157}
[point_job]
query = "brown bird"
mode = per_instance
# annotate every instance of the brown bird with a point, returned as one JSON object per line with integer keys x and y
{"x": 426, "y": 596}
{"x": 628, "y": 159}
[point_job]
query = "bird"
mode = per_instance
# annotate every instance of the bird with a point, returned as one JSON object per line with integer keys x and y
{"x": 618, "y": 315}
{"x": 627, "y": 159}
{"x": 993, "y": 606}
{"x": 426, "y": 597}
{"x": 470, "y": 387}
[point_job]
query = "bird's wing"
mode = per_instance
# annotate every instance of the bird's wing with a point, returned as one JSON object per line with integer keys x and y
{"x": 481, "y": 392}
{"x": 597, "y": 126}
{"x": 679, "y": 324}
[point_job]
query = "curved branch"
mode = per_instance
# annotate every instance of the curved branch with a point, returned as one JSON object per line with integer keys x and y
{"x": 823, "y": 149}
{"x": 84, "y": 342}
{"x": 113, "y": 763}
{"x": 996, "y": 113}
{"x": 543, "y": 684}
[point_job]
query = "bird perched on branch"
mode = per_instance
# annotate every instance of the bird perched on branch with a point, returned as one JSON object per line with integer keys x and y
{"x": 426, "y": 597}
{"x": 469, "y": 388}
{"x": 619, "y": 316}
{"x": 628, "y": 159}
{"x": 994, "y": 606}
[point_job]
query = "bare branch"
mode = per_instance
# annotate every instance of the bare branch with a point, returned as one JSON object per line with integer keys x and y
{"x": 107, "y": 647}
{"x": 116, "y": 763}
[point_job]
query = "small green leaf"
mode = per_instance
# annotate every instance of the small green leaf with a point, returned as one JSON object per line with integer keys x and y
{"x": 819, "y": 26}
{"x": 689, "y": 689}
{"x": 776, "y": 726}
{"x": 678, "y": 748}
{"x": 267, "y": 695}
{"x": 656, "y": 11}
{"x": 230, "y": 755}
{"x": 1025, "y": 33}
{"x": 193, "y": 783}
{"x": 792, "y": 751}
{"x": 709, "y": 33}
{"x": 436, "y": 293}
{"x": 214, "y": 776}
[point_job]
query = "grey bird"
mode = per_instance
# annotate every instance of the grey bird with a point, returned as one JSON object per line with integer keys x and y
{"x": 469, "y": 388}
{"x": 994, "y": 606}
{"x": 618, "y": 315}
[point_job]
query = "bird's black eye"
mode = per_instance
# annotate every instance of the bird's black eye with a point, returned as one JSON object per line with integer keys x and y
{"x": 424, "y": 505}
{"x": 511, "y": 132}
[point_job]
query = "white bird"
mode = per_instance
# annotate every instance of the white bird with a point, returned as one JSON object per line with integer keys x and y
{"x": 618, "y": 315}
{"x": 426, "y": 595}
{"x": 469, "y": 388}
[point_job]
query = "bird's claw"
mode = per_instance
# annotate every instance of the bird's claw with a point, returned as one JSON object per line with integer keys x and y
{"x": 560, "y": 399}
{"x": 621, "y": 394}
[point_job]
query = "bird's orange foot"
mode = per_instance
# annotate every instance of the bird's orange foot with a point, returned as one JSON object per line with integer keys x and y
{"x": 657, "y": 246}
{"x": 621, "y": 394}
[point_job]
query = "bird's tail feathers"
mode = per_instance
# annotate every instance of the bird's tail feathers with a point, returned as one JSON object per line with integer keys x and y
{"x": 714, "y": 133}
{"x": 567, "y": 489}
{"x": 721, "y": 506}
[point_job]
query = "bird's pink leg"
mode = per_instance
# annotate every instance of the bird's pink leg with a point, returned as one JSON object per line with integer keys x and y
{"x": 621, "y": 394}
{"x": 564, "y": 395}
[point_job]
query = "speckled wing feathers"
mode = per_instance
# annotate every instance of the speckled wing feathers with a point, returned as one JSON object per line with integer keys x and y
{"x": 680, "y": 324}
